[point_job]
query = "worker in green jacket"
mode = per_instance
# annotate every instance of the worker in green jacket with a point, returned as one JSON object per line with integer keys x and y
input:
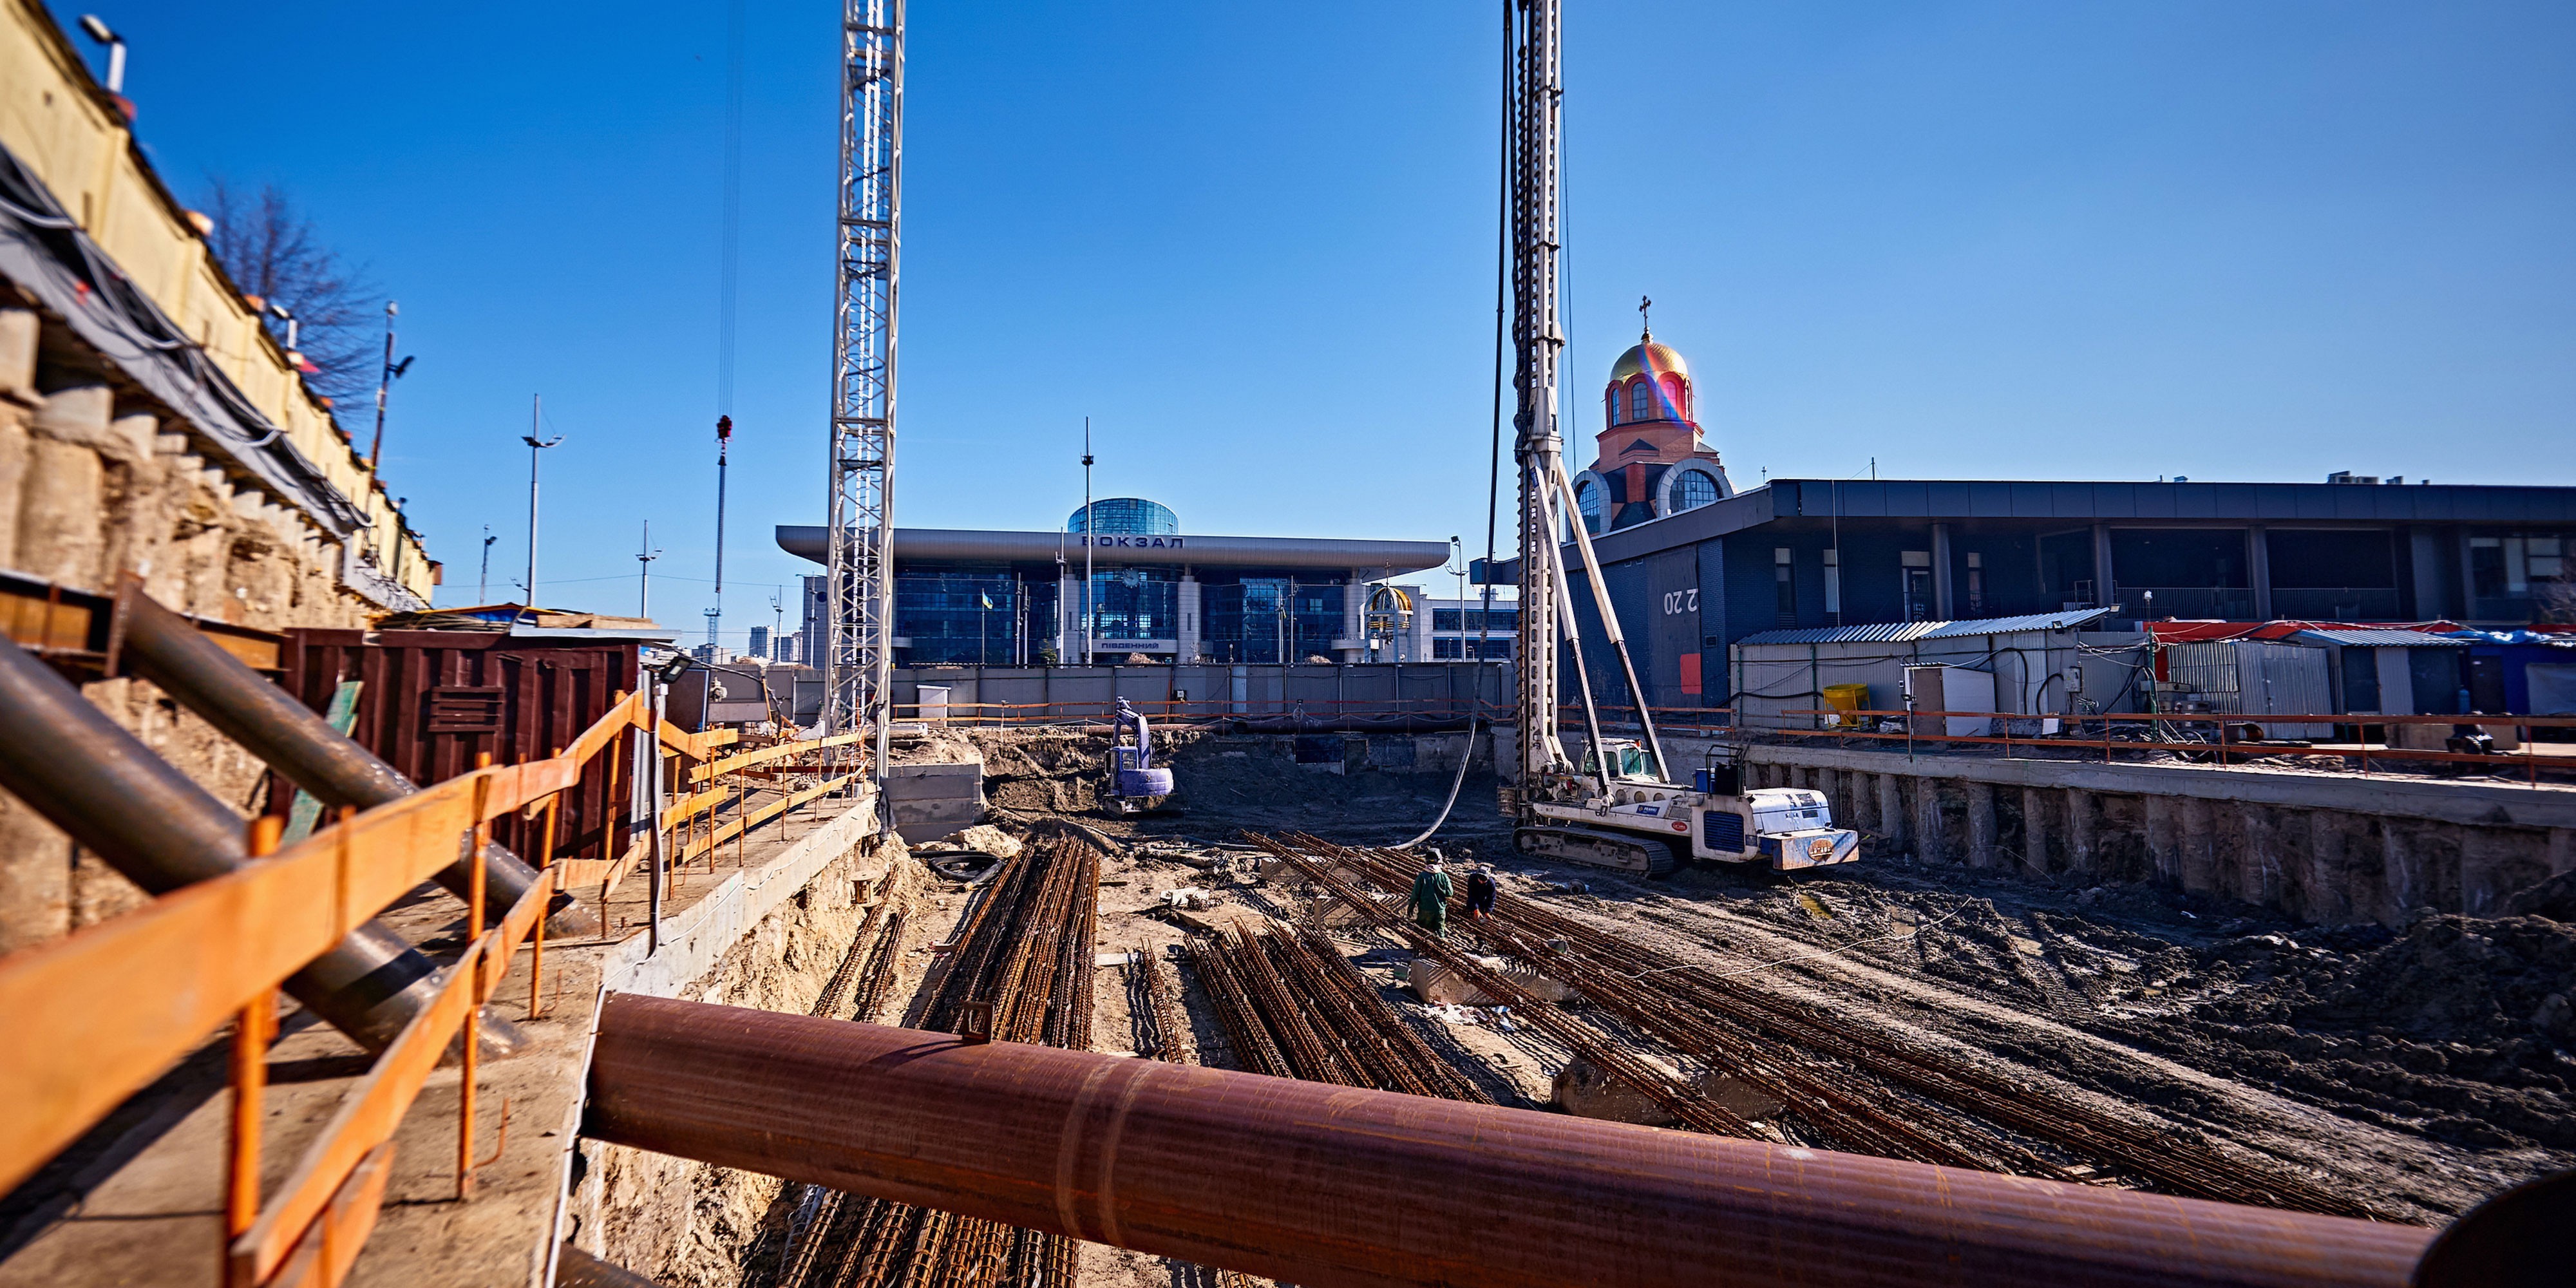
{"x": 1431, "y": 897}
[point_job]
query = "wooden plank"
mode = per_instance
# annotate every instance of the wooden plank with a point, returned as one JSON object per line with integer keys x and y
{"x": 688, "y": 807}
{"x": 92, "y": 1015}
{"x": 766, "y": 754}
{"x": 695, "y": 746}
{"x": 514, "y": 928}
{"x": 366, "y": 1118}
{"x": 329, "y": 1249}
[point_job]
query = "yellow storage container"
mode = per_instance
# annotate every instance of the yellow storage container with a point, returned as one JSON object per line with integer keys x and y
{"x": 1848, "y": 697}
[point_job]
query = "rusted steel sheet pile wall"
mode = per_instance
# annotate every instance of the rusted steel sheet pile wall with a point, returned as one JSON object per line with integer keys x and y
{"x": 432, "y": 700}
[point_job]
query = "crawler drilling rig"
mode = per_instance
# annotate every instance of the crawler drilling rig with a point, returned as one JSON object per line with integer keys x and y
{"x": 1618, "y": 808}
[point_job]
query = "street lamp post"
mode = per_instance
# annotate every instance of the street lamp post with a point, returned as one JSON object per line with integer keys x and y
{"x": 98, "y": 31}
{"x": 536, "y": 417}
{"x": 391, "y": 372}
{"x": 644, "y": 574}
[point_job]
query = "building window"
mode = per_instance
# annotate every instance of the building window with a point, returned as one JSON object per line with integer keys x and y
{"x": 1492, "y": 650}
{"x": 1915, "y": 566}
{"x": 1784, "y": 578}
{"x": 1612, "y": 397}
{"x": 1834, "y": 583}
{"x": 2486, "y": 567}
{"x": 1673, "y": 398}
{"x": 1641, "y": 400}
{"x": 1587, "y": 498}
{"x": 1447, "y": 619}
{"x": 1446, "y": 650}
{"x": 1693, "y": 489}
{"x": 1976, "y": 584}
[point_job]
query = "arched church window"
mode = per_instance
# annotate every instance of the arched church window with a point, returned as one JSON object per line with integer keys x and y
{"x": 1693, "y": 489}
{"x": 1673, "y": 398}
{"x": 1587, "y": 498}
{"x": 1613, "y": 399}
{"x": 1641, "y": 400}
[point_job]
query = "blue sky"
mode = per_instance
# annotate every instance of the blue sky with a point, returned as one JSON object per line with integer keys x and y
{"x": 1970, "y": 240}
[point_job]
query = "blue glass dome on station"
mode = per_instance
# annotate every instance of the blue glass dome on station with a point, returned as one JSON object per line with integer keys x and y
{"x": 1125, "y": 516}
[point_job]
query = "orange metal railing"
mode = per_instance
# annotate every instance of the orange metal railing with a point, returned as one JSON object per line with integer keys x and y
{"x": 95, "y": 1016}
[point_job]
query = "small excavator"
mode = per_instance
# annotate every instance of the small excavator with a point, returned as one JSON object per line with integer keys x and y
{"x": 1132, "y": 784}
{"x": 1619, "y": 807}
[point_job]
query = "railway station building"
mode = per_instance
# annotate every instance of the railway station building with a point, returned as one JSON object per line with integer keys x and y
{"x": 1017, "y": 598}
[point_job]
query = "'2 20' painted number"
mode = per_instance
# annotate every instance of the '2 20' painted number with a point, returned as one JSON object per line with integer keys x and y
{"x": 1680, "y": 601}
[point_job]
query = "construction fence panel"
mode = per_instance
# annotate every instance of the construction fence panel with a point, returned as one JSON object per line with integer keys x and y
{"x": 1203, "y": 691}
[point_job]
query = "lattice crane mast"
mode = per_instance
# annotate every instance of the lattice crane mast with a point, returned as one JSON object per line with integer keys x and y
{"x": 859, "y": 580}
{"x": 1619, "y": 807}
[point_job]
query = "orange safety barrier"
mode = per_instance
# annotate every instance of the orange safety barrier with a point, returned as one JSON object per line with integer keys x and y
{"x": 94, "y": 1019}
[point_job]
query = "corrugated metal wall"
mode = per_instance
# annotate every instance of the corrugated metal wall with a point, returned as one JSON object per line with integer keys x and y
{"x": 433, "y": 700}
{"x": 2257, "y": 678}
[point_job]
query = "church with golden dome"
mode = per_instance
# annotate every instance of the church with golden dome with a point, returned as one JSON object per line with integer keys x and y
{"x": 1651, "y": 461}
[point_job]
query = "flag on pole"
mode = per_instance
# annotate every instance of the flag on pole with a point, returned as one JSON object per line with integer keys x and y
{"x": 986, "y": 596}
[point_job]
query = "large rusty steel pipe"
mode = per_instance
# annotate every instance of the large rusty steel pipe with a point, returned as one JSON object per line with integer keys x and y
{"x": 1326, "y": 1185}
{"x": 117, "y": 798}
{"x": 299, "y": 743}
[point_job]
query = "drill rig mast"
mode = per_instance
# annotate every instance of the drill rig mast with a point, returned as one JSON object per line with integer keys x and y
{"x": 1618, "y": 808}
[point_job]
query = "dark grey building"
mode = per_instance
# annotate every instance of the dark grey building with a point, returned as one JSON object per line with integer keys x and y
{"x": 1813, "y": 553}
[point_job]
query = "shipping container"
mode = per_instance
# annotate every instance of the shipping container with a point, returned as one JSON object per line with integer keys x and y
{"x": 429, "y": 702}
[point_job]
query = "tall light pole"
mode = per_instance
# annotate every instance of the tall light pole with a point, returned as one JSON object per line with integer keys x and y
{"x": 644, "y": 574}
{"x": 536, "y": 417}
{"x": 392, "y": 372}
{"x": 724, "y": 441}
{"x": 1087, "y": 541}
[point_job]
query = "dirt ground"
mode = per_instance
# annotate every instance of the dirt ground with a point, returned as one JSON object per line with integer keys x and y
{"x": 2422, "y": 1069}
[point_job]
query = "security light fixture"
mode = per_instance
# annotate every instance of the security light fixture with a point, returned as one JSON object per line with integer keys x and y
{"x": 98, "y": 31}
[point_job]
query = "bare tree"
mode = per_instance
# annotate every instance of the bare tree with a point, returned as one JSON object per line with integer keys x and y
{"x": 2553, "y": 601}
{"x": 272, "y": 251}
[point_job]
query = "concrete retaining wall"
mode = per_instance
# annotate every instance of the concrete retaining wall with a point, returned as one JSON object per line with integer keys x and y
{"x": 2334, "y": 849}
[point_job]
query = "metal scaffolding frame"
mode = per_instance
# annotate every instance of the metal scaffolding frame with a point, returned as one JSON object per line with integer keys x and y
{"x": 859, "y": 656}
{"x": 1538, "y": 335}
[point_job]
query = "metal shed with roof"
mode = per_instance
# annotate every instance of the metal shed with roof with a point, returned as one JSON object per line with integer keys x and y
{"x": 2383, "y": 671}
{"x": 2032, "y": 656}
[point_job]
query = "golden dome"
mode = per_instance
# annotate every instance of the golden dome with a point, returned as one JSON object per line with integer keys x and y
{"x": 1640, "y": 357}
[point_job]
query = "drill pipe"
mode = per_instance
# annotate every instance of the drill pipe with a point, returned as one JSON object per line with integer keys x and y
{"x": 300, "y": 744}
{"x": 69, "y": 762}
{"x": 1324, "y": 1185}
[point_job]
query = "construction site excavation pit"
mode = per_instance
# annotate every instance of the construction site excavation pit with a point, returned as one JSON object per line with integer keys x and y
{"x": 2129, "y": 1036}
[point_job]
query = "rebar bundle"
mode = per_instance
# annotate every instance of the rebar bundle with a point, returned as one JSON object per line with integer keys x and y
{"x": 1294, "y": 1007}
{"x": 1024, "y": 951}
{"x": 1864, "y": 1088}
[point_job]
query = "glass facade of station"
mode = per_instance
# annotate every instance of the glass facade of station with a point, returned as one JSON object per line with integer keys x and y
{"x": 992, "y": 616}
{"x": 1125, "y": 516}
{"x": 1135, "y": 604}
{"x": 1010, "y": 599}
{"x": 1255, "y": 617}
